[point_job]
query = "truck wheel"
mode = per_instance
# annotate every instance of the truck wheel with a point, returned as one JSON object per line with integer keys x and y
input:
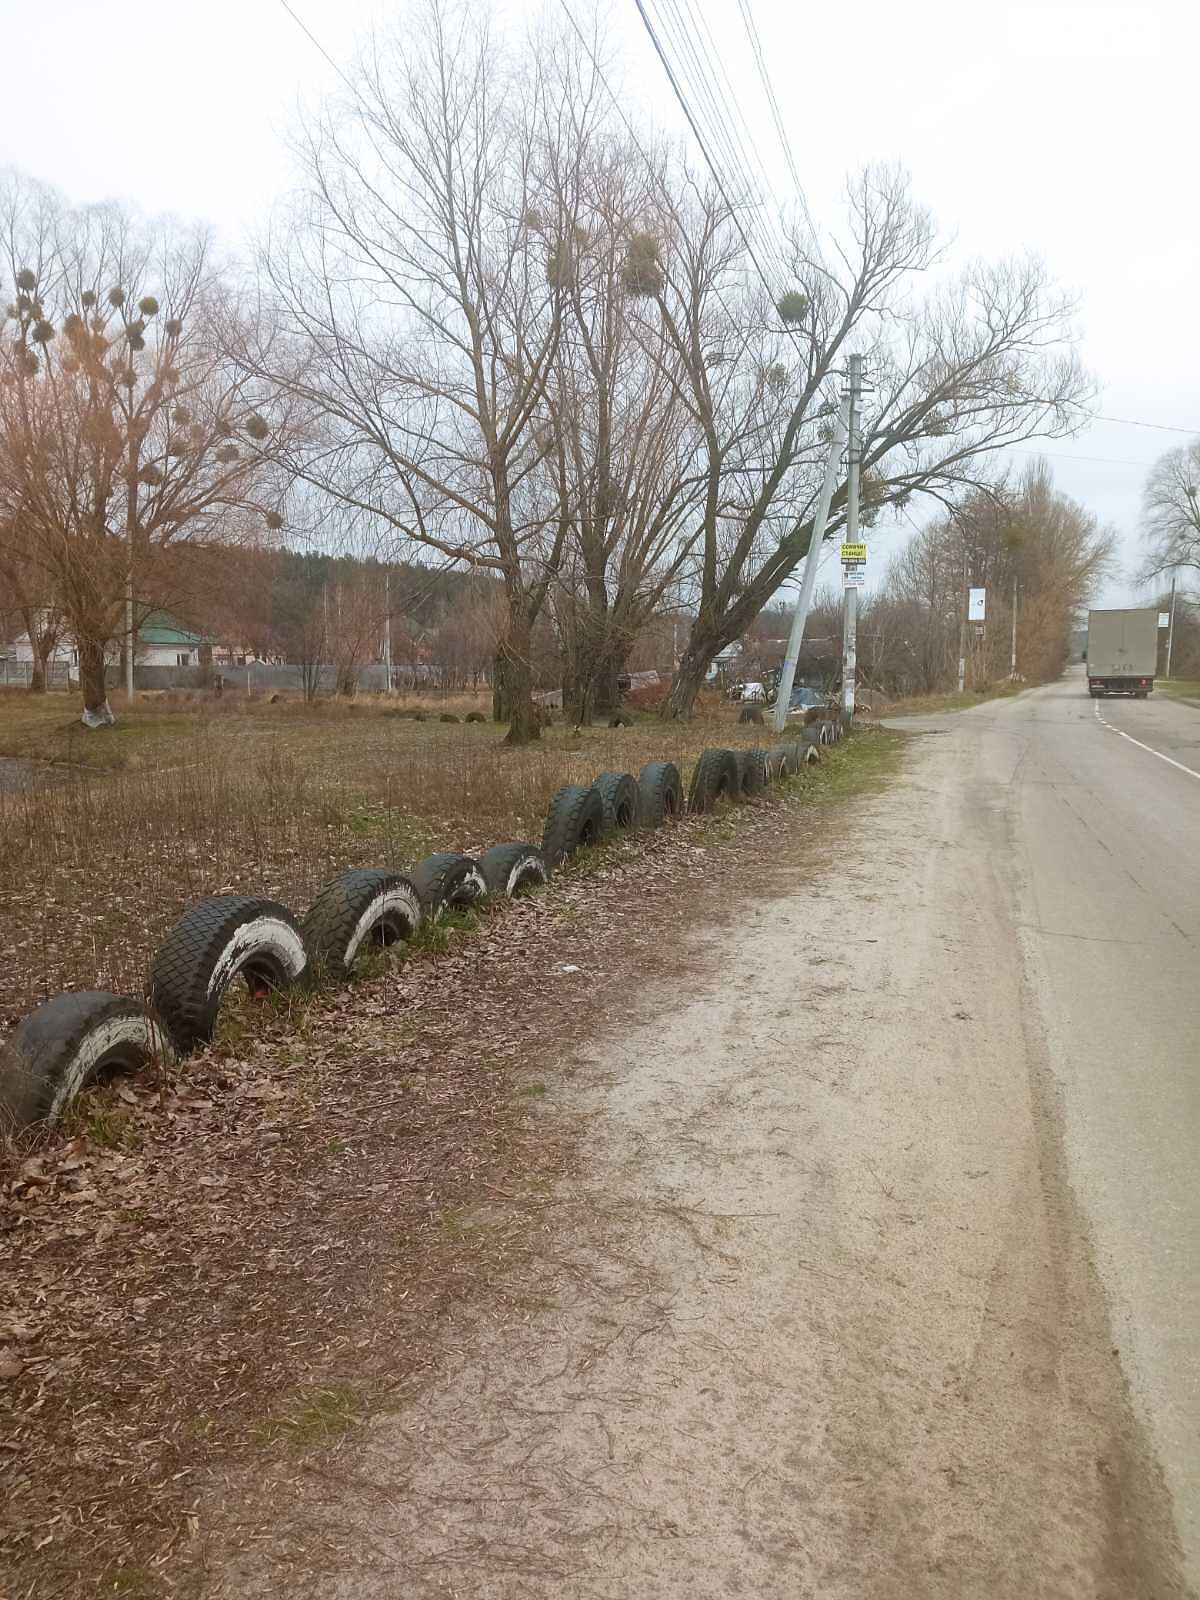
{"x": 716, "y": 777}
{"x": 618, "y": 793}
{"x": 210, "y": 945}
{"x": 512, "y": 869}
{"x": 750, "y": 714}
{"x": 574, "y": 821}
{"x": 447, "y": 882}
{"x": 68, "y": 1042}
{"x": 358, "y": 910}
{"x": 660, "y": 793}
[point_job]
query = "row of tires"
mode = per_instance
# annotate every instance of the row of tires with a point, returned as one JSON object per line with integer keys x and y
{"x": 85, "y": 1035}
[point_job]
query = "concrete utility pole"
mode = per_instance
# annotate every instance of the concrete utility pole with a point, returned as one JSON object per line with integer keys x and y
{"x": 850, "y": 589}
{"x": 1171, "y": 624}
{"x": 1013, "y": 664}
{"x": 811, "y": 562}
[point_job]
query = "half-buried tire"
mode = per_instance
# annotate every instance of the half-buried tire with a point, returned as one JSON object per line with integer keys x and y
{"x": 717, "y": 777}
{"x": 783, "y": 763}
{"x": 660, "y": 793}
{"x": 575, "y": 820}
{"x": 220, "y": 939}
{"x": 71, "y": 1041}
{"x": 360, "y": 910}
{"x": 512, "y": 869}
{"x": 618, "y": 793}
{"x": 447, "y": 882}
{"x": 756, "y": 773}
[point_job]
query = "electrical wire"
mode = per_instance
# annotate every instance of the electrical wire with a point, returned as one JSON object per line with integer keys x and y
{"x": 760, "y": 61}
{"x": 716, "y": 103}
{"x": 1135, "y": 422}
{"x": 316, "y": 43}
{"x": 718, "y": 176}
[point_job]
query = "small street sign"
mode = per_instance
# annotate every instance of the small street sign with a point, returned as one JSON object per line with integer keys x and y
{"x": 1164, "y": 619}
{"x": 976, "y": 605}
{"x": 853, "y": 552}
{"x": 854, "y": 576}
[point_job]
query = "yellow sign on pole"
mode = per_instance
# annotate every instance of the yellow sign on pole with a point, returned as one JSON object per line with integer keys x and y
{"x": 854, "y": 552}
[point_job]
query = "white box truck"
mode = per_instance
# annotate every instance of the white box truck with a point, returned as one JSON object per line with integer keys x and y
{"x": 1122, "y": 652}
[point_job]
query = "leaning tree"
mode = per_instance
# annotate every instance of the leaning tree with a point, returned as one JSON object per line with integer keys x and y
{"x": 981, "y": 362}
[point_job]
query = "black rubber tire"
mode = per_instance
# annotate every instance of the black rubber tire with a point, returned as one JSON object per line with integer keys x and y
{"x": 751, "y": 714}
{"x": 575, "y": 819}
{"x": 512, "y": 869}
{"x": 67, "y": 1043}
{"x": 447, "y": 716}
{"x": 474, "y": 716}
{"x": 783, "y": 763}
{"x": 359, "y": 909}
{"x": 618, "y": 793}
{"x": 447, "y": 881}
{"x": 716, "y": 777}
{"x": 750, "y": 773}
{"x": 660, "y": 793}
{"x": 208, "y": 947}
{"x": 621, "y": 720}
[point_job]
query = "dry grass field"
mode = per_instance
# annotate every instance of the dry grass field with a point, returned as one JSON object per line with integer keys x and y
{"x": 108, "y": 836}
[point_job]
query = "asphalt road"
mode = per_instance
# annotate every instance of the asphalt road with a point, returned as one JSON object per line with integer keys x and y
{"x": 1105, "y": 860}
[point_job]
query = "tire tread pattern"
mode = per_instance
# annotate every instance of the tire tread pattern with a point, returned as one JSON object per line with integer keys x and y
{"x": 575, "y": 816}
{"x": 188, "y": 955}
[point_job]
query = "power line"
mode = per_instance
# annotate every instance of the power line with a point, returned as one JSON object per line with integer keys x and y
{"x": 727, "y": 122}
{"x": 718, "y": 177}
{"x": 313, "y": 40}
{"x": 760, "y": 60}
{"x": 1136, "y": 422}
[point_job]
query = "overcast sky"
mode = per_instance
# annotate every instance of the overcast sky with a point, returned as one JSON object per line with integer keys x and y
{"x": 1069, "y": 127}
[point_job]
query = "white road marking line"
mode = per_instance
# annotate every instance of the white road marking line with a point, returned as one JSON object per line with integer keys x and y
{"x": 1171, "y": 762}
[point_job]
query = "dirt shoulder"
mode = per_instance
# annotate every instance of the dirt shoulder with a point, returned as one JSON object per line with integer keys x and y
{"x": 814, "y": 1313}
{"x": 241, "y": 1263}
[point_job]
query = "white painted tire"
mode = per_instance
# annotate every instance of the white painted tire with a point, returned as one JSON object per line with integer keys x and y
{"x": 67, "y": 1043}
{"x": 229, "y": 936}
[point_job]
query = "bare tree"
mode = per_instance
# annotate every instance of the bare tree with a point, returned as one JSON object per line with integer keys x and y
{"x": 421, "y": 288}
{"x": 1171, "y": 512}
{"x": 981, "y": 364}
{"x": 1018, "y": 538}
{"x": 123, "y": 428}
{"x": 623, "y": 462}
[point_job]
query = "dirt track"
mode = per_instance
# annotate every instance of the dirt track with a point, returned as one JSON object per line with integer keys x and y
{"x": 819, "y": 1319}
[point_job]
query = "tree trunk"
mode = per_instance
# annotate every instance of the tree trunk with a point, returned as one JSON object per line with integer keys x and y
{"x": 514, "y": 665}
{"x": 606, "y": 691}
{"x": 689, "y": 677}
{"x": 96, "y": 710}
{"x": 37, "y": 674}
{"x": 501, "y": 698}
